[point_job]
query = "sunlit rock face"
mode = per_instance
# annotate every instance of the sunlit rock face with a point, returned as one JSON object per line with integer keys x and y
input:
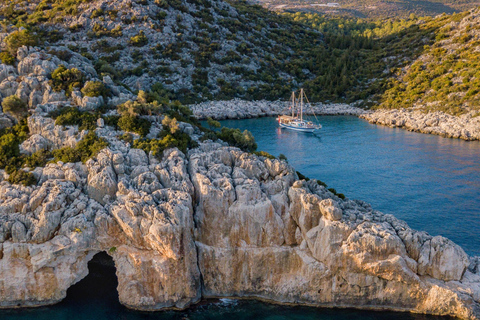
{"x": 465, "y": 126}
{"x": 219, "y": 222}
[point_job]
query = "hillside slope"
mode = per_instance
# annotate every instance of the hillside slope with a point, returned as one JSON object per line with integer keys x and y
{"x": 446, "y": 76}
{"x": 372, "y": 9}
{"x": 198, "y": 49}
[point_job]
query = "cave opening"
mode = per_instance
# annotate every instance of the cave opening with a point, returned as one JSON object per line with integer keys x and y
{"x": 98, "y": 290}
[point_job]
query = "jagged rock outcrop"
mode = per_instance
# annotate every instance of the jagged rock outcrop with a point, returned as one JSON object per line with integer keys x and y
{"x": 466, "y": 126}
{"x": 30, "y": 81}
{"x": 219, "y": 222}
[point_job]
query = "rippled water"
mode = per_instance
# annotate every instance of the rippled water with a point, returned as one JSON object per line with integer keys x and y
{"x": 431, "y": 182}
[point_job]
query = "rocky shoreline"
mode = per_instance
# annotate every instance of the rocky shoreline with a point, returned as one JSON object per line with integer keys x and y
{"x": 466, "y": 127}
{"x": 242, "y": 109}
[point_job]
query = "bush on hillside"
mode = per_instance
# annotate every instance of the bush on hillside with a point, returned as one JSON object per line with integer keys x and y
{"x": 10, "y": 139}
{"x": 70, "y": 116}
{"x": 38, "y": 159}
{"x": 171, "y": 124}
{"x": 66, "y": 79}
{"x": 85, "y": 149}
{"x": 243, "y": 140}
{"x": 134, "y": 124}
{"x": 264, "y": 154}
{"x": 7, "y": 58}
{"x": 22, "y": 177}
{"x": 166, "y": 140}
{"x": 18, "y": 39}
{"x": 15, "y": 107}
{"x": 139, "y": 40}
{"x": 94, "y": 89}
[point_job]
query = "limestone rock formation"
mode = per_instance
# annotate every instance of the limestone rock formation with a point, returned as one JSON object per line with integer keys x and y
{"x": 466, "y": 126}
{"x": 218, "y": 222}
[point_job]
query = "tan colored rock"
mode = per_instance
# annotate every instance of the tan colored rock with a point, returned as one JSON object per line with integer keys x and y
{"x": 220, "y": 223}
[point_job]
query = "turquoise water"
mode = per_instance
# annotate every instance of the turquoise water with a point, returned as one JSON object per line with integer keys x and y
{"x": 432, "y": 183}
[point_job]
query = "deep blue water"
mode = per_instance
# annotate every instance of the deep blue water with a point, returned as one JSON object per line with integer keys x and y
{"x": 431, "y": 182}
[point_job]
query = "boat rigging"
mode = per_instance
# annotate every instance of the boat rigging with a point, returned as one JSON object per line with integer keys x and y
{"x": 295, "y": 121}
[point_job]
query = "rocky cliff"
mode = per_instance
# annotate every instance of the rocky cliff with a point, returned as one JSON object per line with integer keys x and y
{"x": 219, "y": 222}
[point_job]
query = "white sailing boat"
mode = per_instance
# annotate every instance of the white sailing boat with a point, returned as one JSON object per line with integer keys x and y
{"x": 295, "y": 121}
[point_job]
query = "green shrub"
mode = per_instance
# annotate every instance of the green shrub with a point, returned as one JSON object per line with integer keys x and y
{"x": 212, "y": 124}
{"x": 38, "y": 159}
{"x": 7, "y": 58}
{"x": 139, "y": 40}
{"x": 9, "y": 149}
{"x": 302, "y": 177}
{"x": 134, "y": 124}
{"x": 66, "y": 79}
{"x": 179, "y": 140}
{"x": 171, "y": 124}
{"x": 140, "y": 107}
{"x": 18, "y": 39}
{"x": 70, "y": 116}
{"x": 243, "y": 140}
{"x": 210, "y": 135}
{"x": 21, "y": 177}
{"x": 94, "y": 89}
{"x": 15, "y": 107}
{"x": 282, "y": 157}
{"x": 264, "y": 154}
{"x": 85, "y": 149}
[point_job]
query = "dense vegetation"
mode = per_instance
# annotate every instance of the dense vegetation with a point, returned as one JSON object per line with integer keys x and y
{"x": 432, "y": 63}
{"x": 246, "y": 51}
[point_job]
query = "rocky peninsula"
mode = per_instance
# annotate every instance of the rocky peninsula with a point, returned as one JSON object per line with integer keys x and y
{"x": 466, "y": 126}
{"x": 211, "y": 221}
{"x": 242, "y": 109}
{"x": 219, "y": 222}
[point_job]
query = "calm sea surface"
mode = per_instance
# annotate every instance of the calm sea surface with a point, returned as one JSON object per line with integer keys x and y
{"x": 431, "y": 182}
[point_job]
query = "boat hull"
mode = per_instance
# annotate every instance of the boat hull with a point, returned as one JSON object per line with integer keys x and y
{"x": 282, "y": 125}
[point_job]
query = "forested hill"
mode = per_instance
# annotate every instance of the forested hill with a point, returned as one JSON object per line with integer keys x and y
{"x": 195, "y": 49}
{"x": 429, "y": 63}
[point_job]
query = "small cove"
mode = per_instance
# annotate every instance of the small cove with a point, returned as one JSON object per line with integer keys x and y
{"x": 431, "y": 182}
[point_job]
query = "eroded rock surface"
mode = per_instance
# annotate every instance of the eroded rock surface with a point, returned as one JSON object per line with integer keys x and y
{"x": 466, "y": 126}
{"x": 219, "y": 222}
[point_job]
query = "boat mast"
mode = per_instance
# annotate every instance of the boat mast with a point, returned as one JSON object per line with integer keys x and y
{"x": 301, "y": 104}
{"x": 293, "y": 104}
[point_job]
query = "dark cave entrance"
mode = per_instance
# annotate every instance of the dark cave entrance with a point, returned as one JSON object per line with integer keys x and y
{"x": 98, "y": 288}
